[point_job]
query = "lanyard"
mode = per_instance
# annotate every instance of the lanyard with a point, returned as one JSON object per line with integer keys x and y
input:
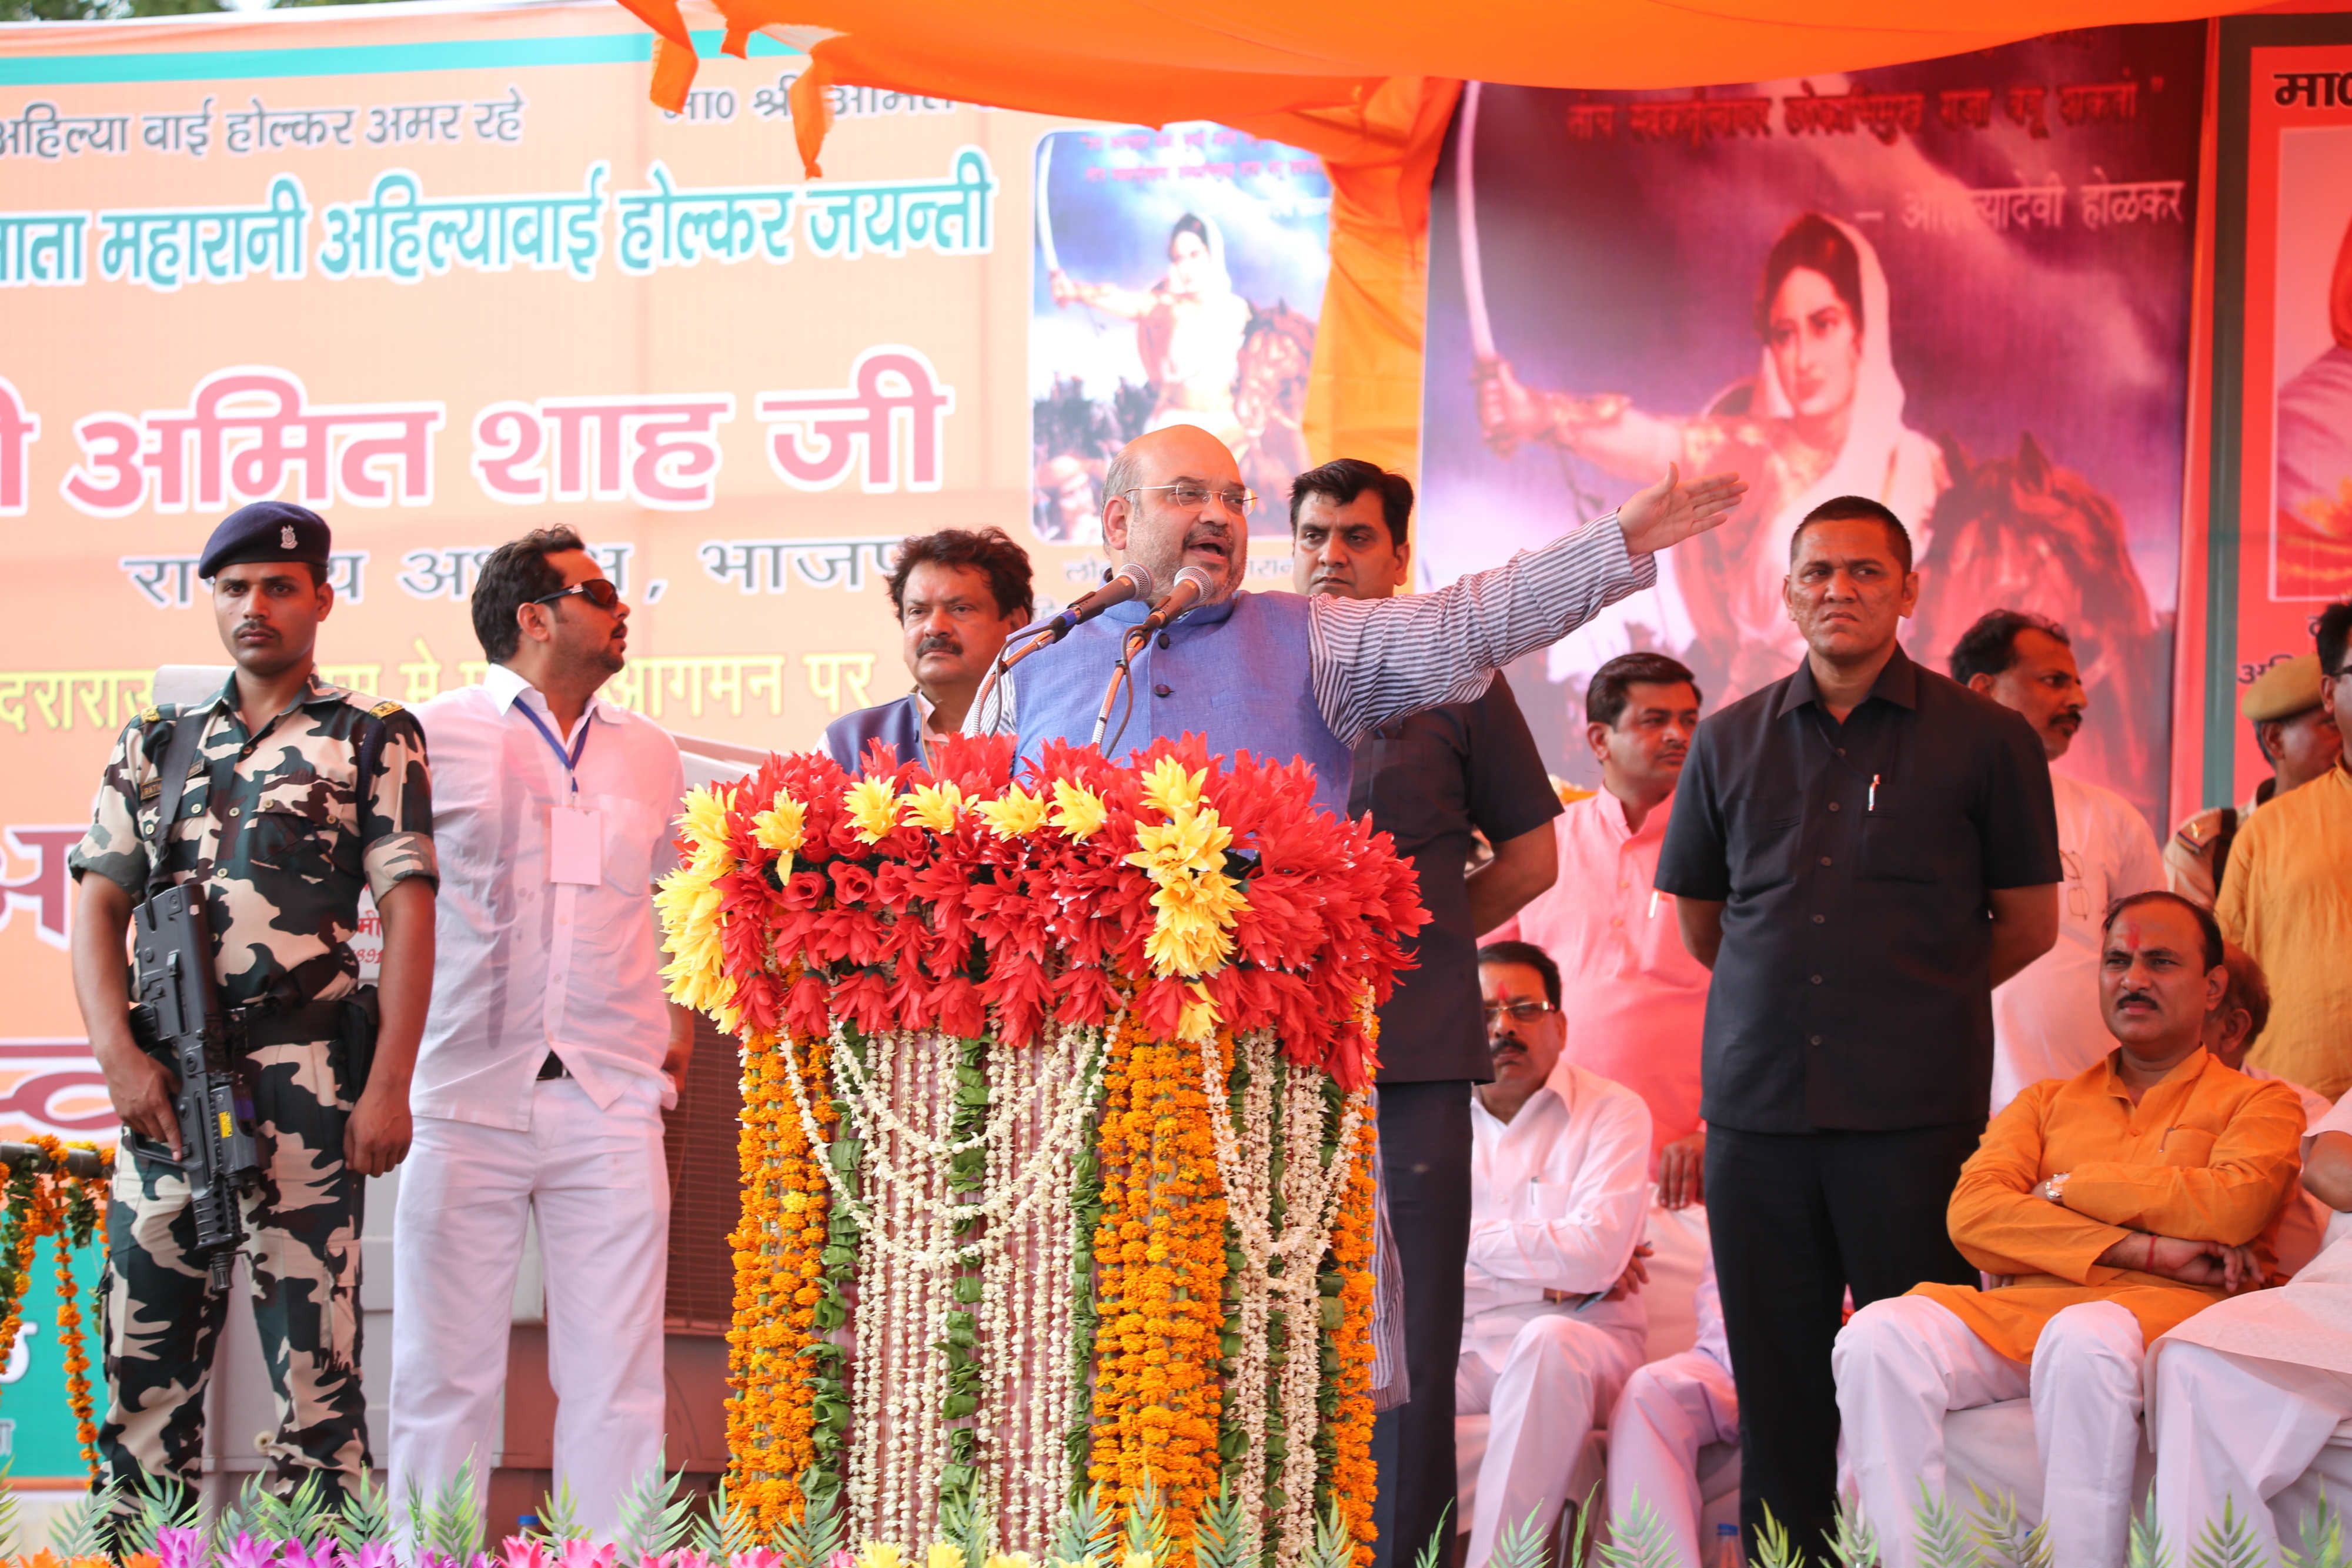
{"x": 569, "y": 759}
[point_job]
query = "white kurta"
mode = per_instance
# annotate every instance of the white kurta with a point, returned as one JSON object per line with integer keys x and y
{"x": 1559, "y": 1195}
{"x": 2045, "y": 1020}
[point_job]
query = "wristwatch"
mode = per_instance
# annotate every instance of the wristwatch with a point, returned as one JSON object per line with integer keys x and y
{"x": 2054, "y": 1190}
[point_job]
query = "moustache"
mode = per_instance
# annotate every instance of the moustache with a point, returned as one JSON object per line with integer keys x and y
{"x": 2124, "y": 998}
{"x": 937, "y": 645}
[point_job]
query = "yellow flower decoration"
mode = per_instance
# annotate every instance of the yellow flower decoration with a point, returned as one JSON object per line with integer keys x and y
{"x": 942, "y": 1555}
{"x": 880, "y": 1554}
{"x": 702, "y": 821}
{"x": 1077, "y": 811}
{"x": 935, "y": 807}
{"x": 1199, "y": 1020}
{"x": 1014, "y": 814}
{"x": 1011, "y": 1560}
{"x": 873, "y": 805}
{"x": 689, "y": 903}
{"x": 779, "y": 828}
{"x": 1166, "y": 787}
{"x": 1185, "y": 941}
{"x": 1193, "y": 840}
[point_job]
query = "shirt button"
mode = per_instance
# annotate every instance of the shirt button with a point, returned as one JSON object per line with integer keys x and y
{"x": 1161, "y": 690}
{"x": 1163, "y": 640}
{"x": 1825, "y": 859}
{"x": 233, "y": 810}
{"x": 1833, "y": 805}
{"x": 1816, "y": 979}
{"x": 1818, "y": 919}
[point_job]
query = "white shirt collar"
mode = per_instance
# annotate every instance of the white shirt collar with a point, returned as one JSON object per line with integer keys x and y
{"x": 506, "y": 686}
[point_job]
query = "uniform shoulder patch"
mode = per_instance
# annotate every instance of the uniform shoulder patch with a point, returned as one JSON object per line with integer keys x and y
{"x": 383, "y": 709}
{"x": 150, "y": 715}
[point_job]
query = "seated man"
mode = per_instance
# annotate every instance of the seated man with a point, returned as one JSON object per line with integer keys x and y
{"x": 1669, "y": 1411}
{"x": 2245, "y": 1395}
{"x": 1559, "y": 1185}
{"x": 2120, "y": 1201}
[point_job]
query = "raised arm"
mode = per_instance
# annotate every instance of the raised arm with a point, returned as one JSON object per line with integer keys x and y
{"x": 1375, "y": 660}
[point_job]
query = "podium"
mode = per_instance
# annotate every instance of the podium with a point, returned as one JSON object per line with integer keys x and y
{"x": 1056, "y": 1140}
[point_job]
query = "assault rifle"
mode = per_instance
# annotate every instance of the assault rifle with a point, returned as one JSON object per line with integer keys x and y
{"x": 179, "y": 1013}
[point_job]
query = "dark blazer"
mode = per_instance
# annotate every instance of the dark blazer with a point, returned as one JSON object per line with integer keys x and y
{"x": 900, "y": 723}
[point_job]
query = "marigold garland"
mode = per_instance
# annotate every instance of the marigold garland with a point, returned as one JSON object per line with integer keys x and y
{"x": 45, "y": 1198}
{"x": 1163, "y": 909}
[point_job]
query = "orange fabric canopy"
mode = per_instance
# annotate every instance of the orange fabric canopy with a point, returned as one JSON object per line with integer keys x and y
{"x": 1369, "y": 85}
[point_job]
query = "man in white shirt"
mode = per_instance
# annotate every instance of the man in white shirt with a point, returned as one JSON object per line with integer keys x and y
{"x": 1670, "y": 1409}
{"x": 1559, "y": 1188}
{"x": 2045, "y": 1020}
{"x": 550, "y": 1051}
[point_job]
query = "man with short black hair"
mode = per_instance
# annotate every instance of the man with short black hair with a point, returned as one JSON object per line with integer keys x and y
{"x": 2046, "y": 1018}
{"x": 1434, "y": 781}
{"x": 2286, "y": 898}
{"x": 291, "y": 797}
{"x": 551, "y": 1051}
{"x": 1560, "y": 1185}
{"x": 957, "y": 595}
{"x": 2116, "y": 1204}
{"x": 1861, "y": 852}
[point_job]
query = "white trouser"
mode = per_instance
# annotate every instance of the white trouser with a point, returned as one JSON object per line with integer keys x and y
{"x": 597, "y": 1183}
{"x": 1545, "y": 1395}
{"x": 1902, "y": 1363}
{"x": 1669, "y": 1411}
{"x": 2236, "y": 1429}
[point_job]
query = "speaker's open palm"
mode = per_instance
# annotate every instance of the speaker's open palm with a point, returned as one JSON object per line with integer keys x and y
{"x": 1670, "y": 511}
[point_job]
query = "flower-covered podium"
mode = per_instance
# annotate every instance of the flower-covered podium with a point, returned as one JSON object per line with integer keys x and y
{"x": 1056, "y": 1162}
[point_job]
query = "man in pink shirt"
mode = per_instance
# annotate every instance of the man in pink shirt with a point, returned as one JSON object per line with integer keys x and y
{"x": 1638, "y": 1000}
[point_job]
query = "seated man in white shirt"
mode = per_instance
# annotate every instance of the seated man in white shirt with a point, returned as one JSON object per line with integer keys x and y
{"x": 1669, "y": 1411}
{"x": 1560, "y": 1184}
{"x": 2244, "y": 1395}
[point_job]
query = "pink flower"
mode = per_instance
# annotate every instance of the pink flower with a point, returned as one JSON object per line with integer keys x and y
{"x": 177, "y": 1548}
{"x": 244, "y": 1552}
{"x": 370, "y": 1554}
{"x": 587, "y": 1554}
{"x": 321, "y": 1555}
{"x": 758, "y": 1557}
{"x": 523, "y": 1552}
{"x": 841, "y": 1558}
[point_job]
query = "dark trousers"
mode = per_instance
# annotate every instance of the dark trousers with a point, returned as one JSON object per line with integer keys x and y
{"x": 1796, "y": 1219}
{"x": 1425, "y": 1157}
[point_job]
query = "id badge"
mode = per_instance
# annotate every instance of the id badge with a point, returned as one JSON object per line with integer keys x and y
{"x": 575, "y": 845}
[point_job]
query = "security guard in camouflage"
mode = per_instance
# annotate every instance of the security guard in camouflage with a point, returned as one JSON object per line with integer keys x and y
{"x": 281, "y": 830}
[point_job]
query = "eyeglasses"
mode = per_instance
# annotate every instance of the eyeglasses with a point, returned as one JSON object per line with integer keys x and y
{"x": 597, "y": 591}
{"x": 1524, "y": 1010}
{"x": 1187, "y": 494}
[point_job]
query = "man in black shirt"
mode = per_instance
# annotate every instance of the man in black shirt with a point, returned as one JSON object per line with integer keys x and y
{"x": 1860, "y": 851}
{"x": 1429, "y": 780}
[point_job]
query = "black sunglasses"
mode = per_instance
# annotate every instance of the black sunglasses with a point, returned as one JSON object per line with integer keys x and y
{"x": 597, "y": 591}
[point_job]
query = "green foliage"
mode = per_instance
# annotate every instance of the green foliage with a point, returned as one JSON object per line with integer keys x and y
{"x": 159, "y": 1504}
{"x": 2000, "y": 1533}
{"x": 303, "y": 1516}
{"x": 1333, "y": 1546}
{"x": 1641, "y": 1539}
{"x": 2148, "y": 1548}
{"x": 559, "y": 1516}
{"x": 9, "y": 1523}
{"x": 961, "y": 1526}
{"x": 806, "y": 1542}
{"x": 2227, "y": 1543}
{"x": 448, "y": 1523}
{"x": 1088, "y": 1532}
{"x": 1519, "y": 1546}
{"x": 724, "y": 1531}
{"x": 1433, "y": 1550}
{"x": 654, "y": 1515}
{"x": 1853, "y": 1543}
{"x": 2322, "y": 1546}
{"x": 365, "y": 1516}
{"x": 1146, "y": 1524}
{"x": 81, "y": 1528}
{"x": 1942, "y": 1537}
{"x": 1225, "y": 1535}
{"x": 237, "y": 1519}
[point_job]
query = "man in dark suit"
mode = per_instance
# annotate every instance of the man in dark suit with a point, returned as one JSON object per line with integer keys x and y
{"x": 957, "y": 595}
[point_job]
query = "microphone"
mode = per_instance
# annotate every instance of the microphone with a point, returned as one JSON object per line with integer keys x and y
{"x": 1132, "y": 580}
{"x": 1192, "y": 586}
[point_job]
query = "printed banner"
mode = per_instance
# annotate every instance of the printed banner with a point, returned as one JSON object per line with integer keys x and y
{"x": 1959, "y": 287}
{"x": 2283, "y": 325}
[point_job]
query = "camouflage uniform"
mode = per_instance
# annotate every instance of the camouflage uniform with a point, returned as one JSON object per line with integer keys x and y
{"x": 282, "y": 907}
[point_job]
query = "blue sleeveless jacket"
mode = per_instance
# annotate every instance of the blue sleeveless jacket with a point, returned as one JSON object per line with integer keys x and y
{"x": 900, "y": 723}
{"x": 1236, "y": 671}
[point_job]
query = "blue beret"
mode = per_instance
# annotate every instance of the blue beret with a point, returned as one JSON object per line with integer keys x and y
{"x": 267, "y": 531}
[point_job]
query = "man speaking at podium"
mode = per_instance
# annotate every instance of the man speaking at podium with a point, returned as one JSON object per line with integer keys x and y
{"x": 1282, "y": 675}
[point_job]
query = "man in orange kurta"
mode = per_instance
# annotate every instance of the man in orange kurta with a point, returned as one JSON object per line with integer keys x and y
{"x": 2118, "y": 1203}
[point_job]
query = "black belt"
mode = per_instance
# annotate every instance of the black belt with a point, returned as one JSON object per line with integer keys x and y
{"x": 552, "y": 1067}
{"x": 296, "y": 1025}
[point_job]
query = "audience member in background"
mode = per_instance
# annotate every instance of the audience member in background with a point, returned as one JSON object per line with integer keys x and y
{"x": 1860, "y": 851}
{"x": 2286, "y": 898}
{"x": 1670, "y": 1410}
{"x": 2045, "y": 1018}
{"x": 2230, "y": 1030}
{"x": 550, "y": 1051}
{"x": 2297, "y": 733}
{"x": 2243, "y": 1396}
{"x": 1640, "y": 998}
{"x": 1432, "y": 780}
{"x": 2118, "y": 1203}
{"x": 1558, "y": 1190}
{"x": 957, "y": 595}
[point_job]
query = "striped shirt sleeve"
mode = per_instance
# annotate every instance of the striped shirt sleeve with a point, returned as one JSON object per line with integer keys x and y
{"x": 1378, "y": 659}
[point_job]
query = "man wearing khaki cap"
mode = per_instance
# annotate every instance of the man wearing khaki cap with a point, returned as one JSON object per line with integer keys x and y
{"x": 2287, "y": 899}
{"x": 2297, "y": 733}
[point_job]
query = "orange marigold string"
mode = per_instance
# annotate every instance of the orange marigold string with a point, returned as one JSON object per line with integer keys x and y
{"x": 1353, "y": 1477}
